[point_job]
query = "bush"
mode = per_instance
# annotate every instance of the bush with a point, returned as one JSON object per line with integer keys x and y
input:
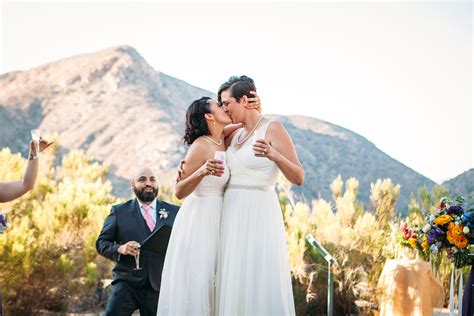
{"x": 353, "y": 235}
{"x": 48, "y": 257}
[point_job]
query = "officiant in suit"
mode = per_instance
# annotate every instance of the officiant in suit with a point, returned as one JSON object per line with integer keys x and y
{"x": 128, "y": 225}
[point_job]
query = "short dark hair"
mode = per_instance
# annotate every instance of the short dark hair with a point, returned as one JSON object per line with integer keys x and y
{"x": 239, "y": 86}
{"x": 196, "y": 124}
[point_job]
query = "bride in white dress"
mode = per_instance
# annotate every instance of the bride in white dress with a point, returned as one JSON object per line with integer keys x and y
{"x": 253, "y": 270}
{"x": 189, "y": 271}
{"x": 187, "y": 283}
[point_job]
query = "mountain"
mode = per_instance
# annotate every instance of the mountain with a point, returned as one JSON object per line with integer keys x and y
{"x": 111, "y": 104}
{"x": 462, "y": 184}
{"x": 327, "y": 150}
{"x": 121, "y": 111}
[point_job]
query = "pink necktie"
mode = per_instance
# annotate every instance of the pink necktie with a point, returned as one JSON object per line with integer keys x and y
{"x": 148, "y": 219}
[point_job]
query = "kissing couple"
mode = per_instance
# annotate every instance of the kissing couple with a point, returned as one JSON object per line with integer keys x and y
{"x": 227, "y": 253}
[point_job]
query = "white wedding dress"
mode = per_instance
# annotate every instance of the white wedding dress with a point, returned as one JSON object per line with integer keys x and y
{"x": 189, "y": 272}
{"x": 253, "y": 271}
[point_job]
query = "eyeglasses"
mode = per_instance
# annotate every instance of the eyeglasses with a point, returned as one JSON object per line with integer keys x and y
{"x": 221, "y": 104}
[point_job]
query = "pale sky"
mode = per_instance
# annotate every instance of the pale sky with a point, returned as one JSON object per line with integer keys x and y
{"x": 397, "y": 73}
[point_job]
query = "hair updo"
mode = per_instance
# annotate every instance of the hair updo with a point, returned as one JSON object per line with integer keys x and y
{"x": 196, "y": 124}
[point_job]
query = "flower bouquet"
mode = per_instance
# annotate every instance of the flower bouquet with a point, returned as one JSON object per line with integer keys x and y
{"x": 449, "y": 229}
{"x": 410, "y": 237}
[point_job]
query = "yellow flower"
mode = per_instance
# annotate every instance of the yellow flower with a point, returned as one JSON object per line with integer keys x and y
{"x": 412, "y": 242}
{"x": 424, "y": 244}
{"x": 442, "y": 219}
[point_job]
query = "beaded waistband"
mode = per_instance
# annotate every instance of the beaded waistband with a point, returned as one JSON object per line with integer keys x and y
{"x": 217, "y": 194}
{"x": 250, "y": 187}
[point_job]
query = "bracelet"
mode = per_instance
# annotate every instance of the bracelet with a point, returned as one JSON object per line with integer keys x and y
{"x": 31, "y": 157}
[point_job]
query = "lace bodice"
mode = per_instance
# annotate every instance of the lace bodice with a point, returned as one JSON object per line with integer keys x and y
{"x": 212, "y": 185}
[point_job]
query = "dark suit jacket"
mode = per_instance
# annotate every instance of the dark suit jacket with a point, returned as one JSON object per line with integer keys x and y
{"x": 125, "y": 223}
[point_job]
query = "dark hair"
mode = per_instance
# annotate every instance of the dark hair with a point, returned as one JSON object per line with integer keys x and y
{"x": 196, "y": 124}
{"x": 239, "y": 86}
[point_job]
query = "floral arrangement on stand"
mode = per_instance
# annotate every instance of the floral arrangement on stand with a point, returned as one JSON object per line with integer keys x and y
{"x": 408, "y": 237}
{"x": 449, "y": 229}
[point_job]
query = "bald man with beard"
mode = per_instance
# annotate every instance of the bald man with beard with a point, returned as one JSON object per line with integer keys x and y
{"x": 127, "y": 225}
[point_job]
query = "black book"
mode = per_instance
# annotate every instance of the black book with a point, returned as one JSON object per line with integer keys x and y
{"x": 158, "y": 240}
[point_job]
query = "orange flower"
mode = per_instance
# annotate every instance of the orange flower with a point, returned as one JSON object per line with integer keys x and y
{"x": 450, "y": 237}
{"x": 457, "y": 229}
{"x": 442, "y": 219}
{"x": 461, "y": 242}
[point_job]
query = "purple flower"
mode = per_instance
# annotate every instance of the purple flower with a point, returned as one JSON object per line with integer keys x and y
{"x": 455, "y": 209}
{"x": 434, "y": 234}
{"x": 3, "y": 220}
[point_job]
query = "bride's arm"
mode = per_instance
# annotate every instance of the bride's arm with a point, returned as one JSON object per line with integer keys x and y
{"x": 280, "y": 149}
{"x": 231, "y": 128}
{"x": 197, "y": 166}
{"x": 228, "y": 139}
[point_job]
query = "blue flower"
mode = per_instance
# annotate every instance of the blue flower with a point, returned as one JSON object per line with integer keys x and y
{"x": 468, "y": 219}
{"x": 434, "y": 249}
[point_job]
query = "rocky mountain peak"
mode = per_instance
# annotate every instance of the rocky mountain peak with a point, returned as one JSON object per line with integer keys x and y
{"x": 121, "y": 111}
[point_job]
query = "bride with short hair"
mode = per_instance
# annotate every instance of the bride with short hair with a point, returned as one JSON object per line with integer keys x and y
{"x": 253, "y": 270}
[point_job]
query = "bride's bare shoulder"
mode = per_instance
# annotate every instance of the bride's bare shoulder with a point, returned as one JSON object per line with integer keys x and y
{"x": 200, "y": 146}
{"x": 276, "y": 129}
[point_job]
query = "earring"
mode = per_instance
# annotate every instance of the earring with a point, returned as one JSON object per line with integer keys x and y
{"x": 213, "y": 123}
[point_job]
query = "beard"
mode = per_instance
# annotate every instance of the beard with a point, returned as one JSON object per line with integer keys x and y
{"x": 145, "y": 196}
